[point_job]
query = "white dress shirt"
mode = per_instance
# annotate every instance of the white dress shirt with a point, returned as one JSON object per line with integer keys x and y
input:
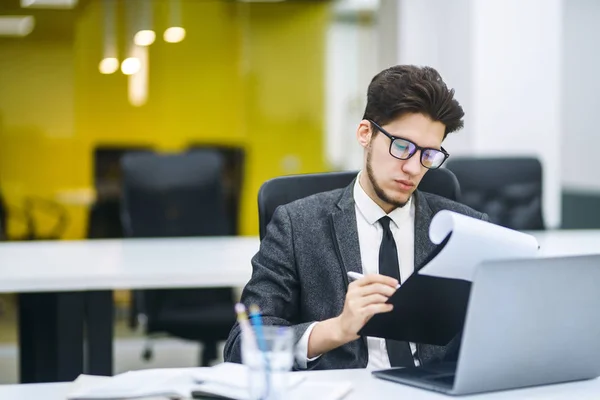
{"x": 370, "y": 234}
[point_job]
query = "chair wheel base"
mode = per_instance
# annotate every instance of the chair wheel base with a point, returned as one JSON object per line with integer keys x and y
{"x": 147, "y": 355}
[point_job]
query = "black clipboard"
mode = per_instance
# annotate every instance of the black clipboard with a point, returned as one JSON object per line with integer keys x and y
{"x": 427, "y": 309}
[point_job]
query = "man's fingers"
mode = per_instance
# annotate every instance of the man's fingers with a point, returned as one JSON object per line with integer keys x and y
{"x": 377, "y": 278}
{"x": 375, "y": 298}
{"x": 375, "y": 288}
{"x": 378, "y": 308}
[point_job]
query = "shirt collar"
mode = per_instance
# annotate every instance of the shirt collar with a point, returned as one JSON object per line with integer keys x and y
{"x": 372, "y": 212}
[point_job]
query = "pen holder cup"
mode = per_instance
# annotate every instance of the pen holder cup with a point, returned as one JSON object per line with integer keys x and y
{"x": 269, "y": 356}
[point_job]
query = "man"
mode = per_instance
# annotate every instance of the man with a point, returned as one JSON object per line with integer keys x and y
{"x": 377, "y": 226}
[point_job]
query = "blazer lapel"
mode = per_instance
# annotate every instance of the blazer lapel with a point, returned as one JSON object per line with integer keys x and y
{"x": 425, "y": 249}
{"x": 345, "y": 232}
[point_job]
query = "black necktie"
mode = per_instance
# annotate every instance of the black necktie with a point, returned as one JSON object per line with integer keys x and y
{"x": 398, "y": 352}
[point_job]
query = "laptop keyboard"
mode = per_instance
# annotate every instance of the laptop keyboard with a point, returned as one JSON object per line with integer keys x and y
{"x": 437, "y": 377}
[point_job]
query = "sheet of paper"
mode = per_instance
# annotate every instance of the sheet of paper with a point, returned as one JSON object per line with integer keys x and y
{"x": 159, "y": 383}
{"x": 302, "y": 391}
{"x": 234, "y": 375}
{"x": 471, "y": 242}
{"x": 226, "y": 379}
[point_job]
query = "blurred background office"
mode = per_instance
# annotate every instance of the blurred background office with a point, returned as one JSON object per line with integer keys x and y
{"x": 263, "y": 88}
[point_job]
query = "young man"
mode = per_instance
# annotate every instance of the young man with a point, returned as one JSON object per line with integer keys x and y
{"x": 377, "y": 226}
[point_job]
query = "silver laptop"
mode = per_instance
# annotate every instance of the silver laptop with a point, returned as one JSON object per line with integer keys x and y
{"x": 529, "y": 322}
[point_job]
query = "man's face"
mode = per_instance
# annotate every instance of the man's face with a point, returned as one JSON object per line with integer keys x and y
{"x": 389, "y": 181}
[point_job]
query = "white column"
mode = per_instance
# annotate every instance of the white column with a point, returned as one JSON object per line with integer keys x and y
{"x": 351, "y": 63}
{"x": 581, "y": 100}
{"x": 503, "y": 57}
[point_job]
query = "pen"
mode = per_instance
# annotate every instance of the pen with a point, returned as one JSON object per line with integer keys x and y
{"x": 256, "y": 321}
{"x": 242, "y": 319}
{"x": 355, "y": 276}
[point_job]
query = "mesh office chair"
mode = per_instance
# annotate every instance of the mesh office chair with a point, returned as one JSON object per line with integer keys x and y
{"x": 285, "y": 189}
{"x": 509, "y": 190}
{"x": 179, "y": 195}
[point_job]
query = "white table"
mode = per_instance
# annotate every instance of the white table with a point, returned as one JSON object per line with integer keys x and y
{"x": 172, "y": 263}
{"x": 63, "y": 269}
{"x": 65, "y": 285}
{"x": 125, "y": 264}
{"x": 568, "y": 242}
{"x": 365, "y": 387}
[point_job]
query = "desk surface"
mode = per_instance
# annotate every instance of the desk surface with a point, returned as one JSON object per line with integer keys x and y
{"x": 365, "y": 387}
{"x": 126, "y": 264}
{"x": 173, "y": 262}
{"x": 568, "y": 242}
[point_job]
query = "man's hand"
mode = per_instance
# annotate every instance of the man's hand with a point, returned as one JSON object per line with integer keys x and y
{"x": 365, "y": 298}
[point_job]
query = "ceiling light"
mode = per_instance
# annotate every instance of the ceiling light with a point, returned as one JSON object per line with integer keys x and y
{"x": 174, "y": 34}
{"x": 49, "y": 3}
{"x": 108, "y": 65}
{"x": 16, "y": 25}
{"x": 144, "y": 38}
{"x": 131, "y": 65}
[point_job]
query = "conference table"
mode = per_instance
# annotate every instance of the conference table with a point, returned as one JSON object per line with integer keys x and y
{"x": 65, "y": 288}
{"x": 364, "y": 387}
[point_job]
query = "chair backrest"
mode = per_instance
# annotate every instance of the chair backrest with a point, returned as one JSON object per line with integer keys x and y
{"x": 285, "y": 189}
{"x": 173, "y": 195}
{"x": 509, "y": 189}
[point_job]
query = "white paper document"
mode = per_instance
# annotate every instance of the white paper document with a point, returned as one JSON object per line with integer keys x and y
{"x": 231, "y": 380}
{"x": 227, "y": 380}
{"x": 150, "y": 383}
{"x": 471, "y": 242}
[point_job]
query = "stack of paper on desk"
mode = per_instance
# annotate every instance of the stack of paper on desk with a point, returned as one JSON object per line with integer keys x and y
{"x": 430, "y": 306}
{"x": 224, "y": 381}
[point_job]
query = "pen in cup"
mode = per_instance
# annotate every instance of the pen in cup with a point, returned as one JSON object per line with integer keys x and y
{"x": 242, "y": 319}
{"x": 355, "y": 276}
{"x": 256, "y": 321}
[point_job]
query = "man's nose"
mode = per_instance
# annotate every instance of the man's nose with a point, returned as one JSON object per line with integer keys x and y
{"x": 413, "y": 166}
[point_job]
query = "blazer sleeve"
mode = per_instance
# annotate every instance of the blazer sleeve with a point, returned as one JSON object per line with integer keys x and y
{"x": 274, "y": 285}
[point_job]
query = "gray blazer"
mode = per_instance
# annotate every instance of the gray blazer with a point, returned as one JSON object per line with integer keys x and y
{"x": 299, "y": 273}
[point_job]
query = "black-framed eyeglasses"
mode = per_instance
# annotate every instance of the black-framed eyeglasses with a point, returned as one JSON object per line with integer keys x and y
{"x": 403, "y": 149}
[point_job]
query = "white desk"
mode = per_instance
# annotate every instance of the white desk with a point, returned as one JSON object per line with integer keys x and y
{"x": 125, "y": 264}
{"x": 99, "y": 266}
{"x": 365, "y": 387}
{"x": 568, "y": 242}
{"x": 172, "y": 263}
{"x": 65, "y": 285}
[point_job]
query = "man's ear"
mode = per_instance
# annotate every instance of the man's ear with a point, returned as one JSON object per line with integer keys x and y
{"x": 364, "y": 133}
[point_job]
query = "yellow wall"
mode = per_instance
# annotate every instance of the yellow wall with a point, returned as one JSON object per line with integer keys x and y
{"x": 284, "y": 51}
{"x": 39, "y": 150}
{"x": 246, "y": 74}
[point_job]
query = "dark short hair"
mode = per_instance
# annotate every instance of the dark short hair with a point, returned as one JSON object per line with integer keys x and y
{"x": 405, "y": 89}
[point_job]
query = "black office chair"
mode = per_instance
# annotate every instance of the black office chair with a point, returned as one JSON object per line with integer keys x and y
{"x": 179, "y": 195}
{"x": 104, "y": 221}
{"x": 509, "y": 189}
{"x": 285, "y": 189}
{"x": 233, "y": 176}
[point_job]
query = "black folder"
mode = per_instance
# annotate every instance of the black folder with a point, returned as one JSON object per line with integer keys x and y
{"x": 427, "y": 309}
